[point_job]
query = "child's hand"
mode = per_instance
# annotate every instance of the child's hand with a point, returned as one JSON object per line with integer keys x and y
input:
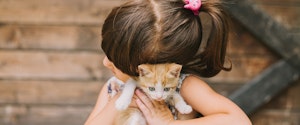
{"x": 156, "y": 113}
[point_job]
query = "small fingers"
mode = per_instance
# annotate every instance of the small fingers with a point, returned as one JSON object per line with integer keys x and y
{"x": 143, "y": 108}
{"x": 133, "y": 102}
{"x": 144, "y": 99}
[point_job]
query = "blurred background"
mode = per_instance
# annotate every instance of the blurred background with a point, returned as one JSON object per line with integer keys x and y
{"x": 51, "y": 62}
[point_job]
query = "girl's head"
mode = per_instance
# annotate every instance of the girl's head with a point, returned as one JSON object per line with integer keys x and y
{"x": 163, "y": 31}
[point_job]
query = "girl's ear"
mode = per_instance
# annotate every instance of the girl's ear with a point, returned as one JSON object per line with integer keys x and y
{"x": 144, "y": 70}
{"x": 174, "y": 70}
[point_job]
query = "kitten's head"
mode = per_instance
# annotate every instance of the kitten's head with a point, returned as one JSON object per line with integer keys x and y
{"x": 159, "y": 81}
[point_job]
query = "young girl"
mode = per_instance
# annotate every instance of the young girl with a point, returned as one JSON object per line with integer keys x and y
{"x": 167, "y": 31}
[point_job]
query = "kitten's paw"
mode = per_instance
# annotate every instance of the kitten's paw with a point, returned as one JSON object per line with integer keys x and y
{"x": 187, "y": 109}
{"x": 122, "y": 103}
{"x": 183, "y": 108}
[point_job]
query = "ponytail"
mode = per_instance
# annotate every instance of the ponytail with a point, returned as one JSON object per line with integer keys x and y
{"x": 213, "y": 56}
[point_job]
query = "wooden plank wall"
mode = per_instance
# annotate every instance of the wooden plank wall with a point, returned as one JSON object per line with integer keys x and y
{"x": 51, "y": 62}
{"x": 283, "y": 110}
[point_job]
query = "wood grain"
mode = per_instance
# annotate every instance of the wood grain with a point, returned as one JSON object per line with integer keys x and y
{"x": 56, "y": 12}
{"x": 51, "y": 62}
{"x": 50, "y": 37}
{"x": 51, "y": 65}
{"x": 49, "y": 92}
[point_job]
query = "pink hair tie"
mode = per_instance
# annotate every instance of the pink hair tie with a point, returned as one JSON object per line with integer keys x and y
{"x": 193, "y": 5}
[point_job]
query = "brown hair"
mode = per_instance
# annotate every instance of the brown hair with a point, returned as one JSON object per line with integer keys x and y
{"x": 162, "y": 31}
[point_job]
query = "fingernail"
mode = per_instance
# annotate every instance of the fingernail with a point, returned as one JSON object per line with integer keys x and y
{"x": 137, "y": 91}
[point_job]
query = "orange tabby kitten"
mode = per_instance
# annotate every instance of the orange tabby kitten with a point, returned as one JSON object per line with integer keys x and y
{"x": 159, "y": 82}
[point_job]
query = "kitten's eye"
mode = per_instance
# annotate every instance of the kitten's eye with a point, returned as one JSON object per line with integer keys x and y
{"x": 151, "y": 88}
{"x": 166, "y": 89}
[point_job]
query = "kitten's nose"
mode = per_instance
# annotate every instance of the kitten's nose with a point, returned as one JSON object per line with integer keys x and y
{"x": 159, "y": 96}
{"x": 159, "y": 99}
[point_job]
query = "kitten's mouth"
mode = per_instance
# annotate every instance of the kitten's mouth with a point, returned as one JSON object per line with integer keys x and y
{"x": 160, "y": 99}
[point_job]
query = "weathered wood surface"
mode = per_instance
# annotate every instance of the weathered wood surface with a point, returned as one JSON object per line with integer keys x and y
{"x": 287, "y": 16}
{"x": 284, "y": 110}
{"x": 285, "y": 12}
{"x": 33, "y": 92}
{"x": 43, "y": 114}
{"x": 56, "y": 12}
{"x": 265, "y": 86}
{"x": 51, "y": 65}
{"x": 270, "y": 32}
{"x": 277, "y": 117}
{"x": 50, "y": 37}
{"x": 288, "y": 99}
{"x": 245, "y": 68}
{"x": 51, "y": 62}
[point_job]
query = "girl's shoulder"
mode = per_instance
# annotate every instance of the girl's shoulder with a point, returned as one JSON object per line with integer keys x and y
{"x": 192, "y": 79}
{"x": 194, "y": 82}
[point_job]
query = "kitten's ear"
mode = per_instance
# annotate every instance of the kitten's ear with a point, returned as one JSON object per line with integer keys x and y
{"x": 174, "y": 70}
{"x": 144, "y": 70}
